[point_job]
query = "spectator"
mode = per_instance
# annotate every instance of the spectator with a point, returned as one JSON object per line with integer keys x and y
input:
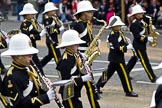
{"x": 40, "y": 4}
{"x": 3, "y": 9}
{"x": 74, "y": 6}
{"x": 19, "y": 7}
{"x": 96, "y": 5}
{"x": 153, "y": 10}
{"x": 103, "y": 10}
{"x": 63, "y": 10}
{"x": 111, "y": 11}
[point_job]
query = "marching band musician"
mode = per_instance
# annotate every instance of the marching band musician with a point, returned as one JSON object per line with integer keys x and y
{"x": 52, "y": 24}
{"x": 30, "y": 27}
{"x": 83, "y": 26}
{"x": 22, "y": 84}
{"x": 118, "y": 46}
{"x": 138, "y": 29}
{"x": 70, "y": 65}
{"x": 3, "y": 70}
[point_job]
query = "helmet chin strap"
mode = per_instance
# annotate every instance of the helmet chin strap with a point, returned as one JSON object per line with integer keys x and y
{"x": 21, "y": 60}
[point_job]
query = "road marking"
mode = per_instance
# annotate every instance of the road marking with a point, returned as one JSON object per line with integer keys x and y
{"x": 145, "y": 82}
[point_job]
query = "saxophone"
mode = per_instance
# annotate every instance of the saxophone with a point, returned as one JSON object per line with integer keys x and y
{"x": 153, "y": 34}
{"x": 91, "y": 51}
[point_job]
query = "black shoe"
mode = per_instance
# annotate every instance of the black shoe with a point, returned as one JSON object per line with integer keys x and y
{"x": 130, "y": 77}
{"x": 99, "y": 90}
{"x": 3, "y": 71}
{"x": 131, "y": 94}
{"x": 154, "y": 80}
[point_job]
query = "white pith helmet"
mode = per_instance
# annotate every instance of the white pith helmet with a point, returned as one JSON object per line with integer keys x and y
{"x": 28, "y": 9}
{"x": 84, "y": 6}
{"x": 70, "y": 37}
{"x": 115, "y": 21}
{"x": 20, "y": 44}
{"x": 137, "y": 9}
{"x": 49, "y": 7}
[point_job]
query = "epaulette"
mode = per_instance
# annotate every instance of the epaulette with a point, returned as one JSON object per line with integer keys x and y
{"x": 9, "y": 72}
{"x": 134, "y": 21}
{"x": 64, "y": 56}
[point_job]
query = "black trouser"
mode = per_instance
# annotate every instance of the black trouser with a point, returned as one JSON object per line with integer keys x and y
{"x": 73, "y": 102}
{"x": 159, "y": 105}
{"x": 142, "y": 55}
{"x": 122, "y": 72}
{"x": 53, "y": 52}
{"x": 92, "y": 95}
{"x": 158, "y": 96}
{"x": 131, "y": 63}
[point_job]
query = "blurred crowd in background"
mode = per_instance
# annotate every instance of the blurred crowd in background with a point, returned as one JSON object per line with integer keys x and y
{"x": 106, "y": 8}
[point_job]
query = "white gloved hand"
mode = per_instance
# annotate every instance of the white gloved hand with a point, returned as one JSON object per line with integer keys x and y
{"x": 43, "y": 32}
{"x": 129, "y": 46}
{"x": 86, "y": 77}
{"x": 62, "y": 28}
{"x": 51, "y": 94}
{"x": 150, "y": 39}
